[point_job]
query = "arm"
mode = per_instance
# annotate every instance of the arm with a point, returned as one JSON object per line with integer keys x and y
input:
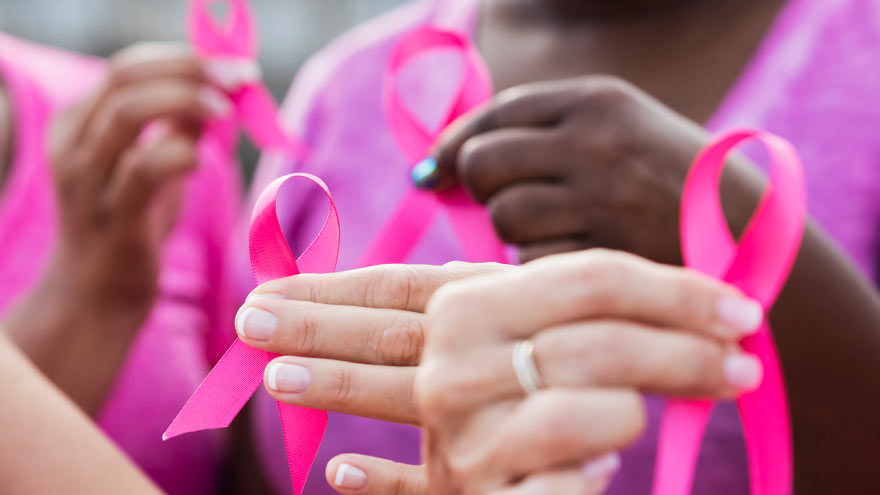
{"x": 594, "y": 161}
{"x": 47, "y": 445}
{"x": 118, "y": 163}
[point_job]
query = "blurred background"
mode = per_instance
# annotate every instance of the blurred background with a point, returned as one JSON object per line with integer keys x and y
{"x": 290, "y": 30}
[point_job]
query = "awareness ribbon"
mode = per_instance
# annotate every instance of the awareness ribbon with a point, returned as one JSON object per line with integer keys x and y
{"x": 416, "y": 211}
{"x": 239, "y": 372}
{"x": 758, "y": 265}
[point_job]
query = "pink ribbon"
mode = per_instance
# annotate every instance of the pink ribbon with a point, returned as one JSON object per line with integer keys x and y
{"x": 235, "y": 44}
{"x": 239, "y": 372}
{"x": 418, "y": 209}
{"x": 759, "y": 266}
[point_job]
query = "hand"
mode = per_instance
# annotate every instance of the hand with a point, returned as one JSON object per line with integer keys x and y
{"x": 605, "y": 326}
{"x": 118, "y": 160}
{"x": 579, "y": 163}
{"x": 352, "y": 340}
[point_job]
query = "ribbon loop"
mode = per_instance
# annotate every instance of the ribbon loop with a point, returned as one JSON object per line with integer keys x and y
{"x": 414, "y": 214}
{"x": 233, "y": 40}
{"x": 758, "y": 265}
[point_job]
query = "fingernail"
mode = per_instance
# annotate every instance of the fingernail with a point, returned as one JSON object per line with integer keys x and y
{"x": 289, "y": 378}
{"x": 263, "y": 295}
{"x": 232, "y": 74}
{"x": 256, "y": 324}
{"x": 424, "y": 175}
{"x": 743, "y": 371}
{"x": 745, "y": 314}
{"x": 602, "y": 468}
{"x": 216, "y": 103}
{"x": 350, "y": 477}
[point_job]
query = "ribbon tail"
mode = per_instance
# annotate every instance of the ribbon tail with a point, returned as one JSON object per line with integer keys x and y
{"x": 303, "y": 430}
{"x": 765, "y": 418}
{"x": 403, "y": 229}
{"x": 258, "y": 115}
{"x": 223, "y": 393}
{"x": 681, "y": 433}
{"x": 473, "y": 228}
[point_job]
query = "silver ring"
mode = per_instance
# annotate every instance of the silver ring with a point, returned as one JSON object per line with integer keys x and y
{"x": 524, "y": 366}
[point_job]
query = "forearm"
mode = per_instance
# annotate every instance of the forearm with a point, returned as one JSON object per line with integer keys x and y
{"x": 48, "y": 446}
{"x": 76, "y": 340}
{"x": 827, "y": 328}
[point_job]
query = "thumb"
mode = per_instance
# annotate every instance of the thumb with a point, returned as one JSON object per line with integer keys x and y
{"x": 363, "y": 475}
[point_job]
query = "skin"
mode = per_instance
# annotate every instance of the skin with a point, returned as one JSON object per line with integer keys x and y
{"x": 39, "y": 422}
{"x": 361, "y": 333}
{"x": 6, "y": 134}
{"x": 118, "y": 191}
{"x": 597, "y": 161}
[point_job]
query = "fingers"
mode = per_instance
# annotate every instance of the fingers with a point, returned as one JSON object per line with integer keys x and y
{"x": 558, "y": 427}
{"x": 142, "y": 171}
{"x": 381, "y": 392}
{"x": 364, "y": 475}
{"x": 536, "y": 211}
{"x": 533, "y": 105}
{"x": 118, "y": 122}
{"x": 401, "y": 287}
{"x": 586, "y": 285}
{"x": 349, "y": 333}
{"x": 592, "y": 479}
{"x": 598, "y": 353}
{"x": 498, "y": 159}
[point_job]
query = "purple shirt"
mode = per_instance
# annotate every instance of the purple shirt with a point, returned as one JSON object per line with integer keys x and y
{"x": 174, "y": 349}
{"x": 814, "y": 80}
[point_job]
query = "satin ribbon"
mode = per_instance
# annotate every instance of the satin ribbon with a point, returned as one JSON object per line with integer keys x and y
{"x": 418, "y": 209}
{"x": 235, "y": 44}
{"x": 758, "y": 265}
{"x": 239, "y": 372}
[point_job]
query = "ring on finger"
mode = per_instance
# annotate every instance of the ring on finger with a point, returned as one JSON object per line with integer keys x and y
{"x": 525, "y": 368}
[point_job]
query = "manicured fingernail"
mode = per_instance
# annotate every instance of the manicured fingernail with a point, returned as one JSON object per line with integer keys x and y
{"x": 216, "y": 103}
{"x": 745, "y": 314}
{"x": 264, "y": 295}
{"x": 424, "y": 175}
{"x": 288, "y": 378}
{"x": 232, "y": 74}
{"x": 743, "y": 371}
{"x": 602, "y": 468}
{"x": 256, "y": 324}
{"x": 350, "y": 477}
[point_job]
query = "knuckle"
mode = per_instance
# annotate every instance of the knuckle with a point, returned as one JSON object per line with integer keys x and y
{"x": 396, "y": 284}
{"x": 605, "y": 273}
{"x": 434, "y": 391}
{"x": 304, "y": 338}
{"x": 344, "y": 392}
{"x": 402, "y": 342}
{"x": 121, "y": 111}
{"x": 609, "y": 91}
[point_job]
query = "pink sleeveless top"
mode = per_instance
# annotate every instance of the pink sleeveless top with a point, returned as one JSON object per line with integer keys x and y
{"x": 177, "y": 344}
{"x": 814, "y": 80}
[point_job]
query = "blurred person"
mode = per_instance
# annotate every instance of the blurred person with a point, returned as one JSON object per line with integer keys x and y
{"x": 596, "y": 155}
{"x": 115, "y": 211}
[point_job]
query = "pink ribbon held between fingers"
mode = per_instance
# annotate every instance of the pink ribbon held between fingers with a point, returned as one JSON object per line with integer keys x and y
{"x": 758, "y": 265}
{"x": 418, "y": 209}
{"x": 234, "y": 45}
{"x": 239, "y": 372}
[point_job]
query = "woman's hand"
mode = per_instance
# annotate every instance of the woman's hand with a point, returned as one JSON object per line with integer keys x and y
{"x": 119, "y": 158}
{"x": 605, "y": 327}
{"x": 578, "y": 163}
{"x": 352, "y": 340}
{"x": 118, "y": 161}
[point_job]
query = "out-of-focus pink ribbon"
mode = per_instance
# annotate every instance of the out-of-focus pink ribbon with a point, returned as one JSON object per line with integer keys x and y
{"x": 758, "y": 265}
{"x": 418, "y": 209}
{"x": 234, "y": 44}
{"x": 239, "y": 372}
